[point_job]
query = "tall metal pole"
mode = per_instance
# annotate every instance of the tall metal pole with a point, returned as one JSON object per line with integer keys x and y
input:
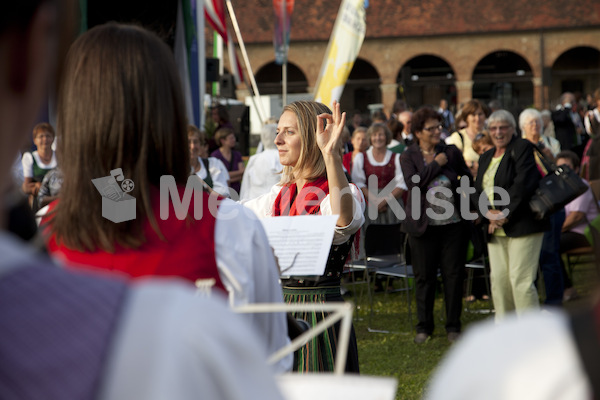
{"x": 201, "y": 60}
{"x": 218, "y": 54}
{"x": 236, "y": 28}
{"x": 284, "y": 65}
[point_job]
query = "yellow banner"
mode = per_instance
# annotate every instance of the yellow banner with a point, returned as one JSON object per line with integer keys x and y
{"x": 345, "y": 42}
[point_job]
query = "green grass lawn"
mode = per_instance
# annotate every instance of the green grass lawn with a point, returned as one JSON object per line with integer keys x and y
{"x": 395, "y": 354}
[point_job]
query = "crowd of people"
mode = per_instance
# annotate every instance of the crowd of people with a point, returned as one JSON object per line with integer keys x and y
{"x": 106, "y": 305}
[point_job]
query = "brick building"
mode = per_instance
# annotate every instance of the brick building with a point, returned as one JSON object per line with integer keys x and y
{"x": 520, "y": 53}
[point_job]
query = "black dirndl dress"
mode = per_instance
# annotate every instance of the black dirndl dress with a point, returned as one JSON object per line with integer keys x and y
{"x": 318, "y": 355}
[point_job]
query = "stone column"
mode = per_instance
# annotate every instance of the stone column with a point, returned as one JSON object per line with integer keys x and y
{"x": 538, "y": 89}
{"x": 388, "y": 96}
{"x": 464, "y": 91}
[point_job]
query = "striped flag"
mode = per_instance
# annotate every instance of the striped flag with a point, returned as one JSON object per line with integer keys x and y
{"x": 345, "y": 42}
{"x": 214, "y": 10}
{"x": 283, "y": 21}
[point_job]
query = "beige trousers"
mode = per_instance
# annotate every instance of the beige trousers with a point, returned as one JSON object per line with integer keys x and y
{"x": 513, "y": 269}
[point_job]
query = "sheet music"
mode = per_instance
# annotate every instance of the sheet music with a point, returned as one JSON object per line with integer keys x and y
{"x": 301, "y": 243}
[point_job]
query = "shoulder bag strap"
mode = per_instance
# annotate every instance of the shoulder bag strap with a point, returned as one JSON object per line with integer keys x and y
{"x": 208, "y": 179}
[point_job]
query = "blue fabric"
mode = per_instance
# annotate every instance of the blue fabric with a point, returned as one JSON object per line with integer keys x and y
{"x": 550, "y": 260}
{"x": 55, "y": 328}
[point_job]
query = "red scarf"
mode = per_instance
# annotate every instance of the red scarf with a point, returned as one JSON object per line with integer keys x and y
{"x": 308, "y": 201}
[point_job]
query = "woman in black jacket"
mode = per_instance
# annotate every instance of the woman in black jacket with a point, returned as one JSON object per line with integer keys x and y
{"x": 436, "y": 230}
{"x": 508, "y": 177}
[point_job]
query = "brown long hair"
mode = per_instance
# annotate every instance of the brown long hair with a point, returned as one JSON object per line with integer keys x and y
{"x": 120, "y": 106}
{"x": 310, "y": 163}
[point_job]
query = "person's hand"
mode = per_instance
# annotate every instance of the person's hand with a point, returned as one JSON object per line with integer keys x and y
{"x": 441, "y": 159}
{"x": 329, "y": 138}
{"x": 496, "y": 220}
{"x": 36, "y": 188}
{"x": 382, "y": 205}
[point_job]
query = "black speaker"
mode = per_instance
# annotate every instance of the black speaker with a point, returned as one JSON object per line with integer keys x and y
{"x": 227, "y": 86}
{"x": 239, "y": 116}
{"x": 212, "y": 70}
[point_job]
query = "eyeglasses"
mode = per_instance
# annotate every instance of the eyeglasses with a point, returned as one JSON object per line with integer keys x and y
{"x": 502, "y": 128}
{"x": 433, "y": 128}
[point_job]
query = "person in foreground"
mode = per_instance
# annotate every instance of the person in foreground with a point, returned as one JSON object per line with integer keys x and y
{"x": 437, "y": 238}
{"x": 76, "y": 335}
{"x": 533, "y": 356}
{"x": 141, "y": 128}
{"x": 313, "y": 182}
{"x": 508, "y": 177}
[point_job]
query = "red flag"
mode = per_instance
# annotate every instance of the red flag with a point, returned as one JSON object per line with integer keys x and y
{"x": 214, "y": 10}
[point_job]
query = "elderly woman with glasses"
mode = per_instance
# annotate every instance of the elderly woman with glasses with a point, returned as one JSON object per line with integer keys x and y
{"x": 436, "y": 230}
{"x": 530, "y": 122}
{"x": 531, "y": 125}
{"x": 507, "y": 178}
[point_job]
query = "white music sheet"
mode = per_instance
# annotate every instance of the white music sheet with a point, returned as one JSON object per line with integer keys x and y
{"x": 301, "y": 243}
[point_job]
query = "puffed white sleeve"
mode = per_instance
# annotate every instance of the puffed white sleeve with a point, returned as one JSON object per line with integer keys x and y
{"x": 358, "y": 171}
{"x": 246, "y": 185}
{"x": 250, "y": 274}
{"x": 219, "y": 175}
{"x": 263, "y": 205}
{"x": 27, "y": 163}
{"x": 343, "y": 233}
{"x": 400, "y": 182}
{"x": 455, "y": 140}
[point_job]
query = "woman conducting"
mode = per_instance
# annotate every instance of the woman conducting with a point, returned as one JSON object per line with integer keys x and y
{"x": 313, "y": 182}
{"x": 509, "y": 177}
{"x": 436, "y": 233}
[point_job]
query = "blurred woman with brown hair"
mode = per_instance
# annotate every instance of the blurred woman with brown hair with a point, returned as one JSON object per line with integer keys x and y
{"x": 474, "y": 112}
{"x": 121, "y": 107}
{"x": 39, "y": 162}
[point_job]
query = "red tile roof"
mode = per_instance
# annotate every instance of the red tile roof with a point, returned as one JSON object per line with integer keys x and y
{"x": 313, "y": 19}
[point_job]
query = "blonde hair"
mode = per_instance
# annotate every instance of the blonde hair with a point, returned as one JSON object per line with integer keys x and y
{"x": 221, "y": 134}
{"x": 310, "y": 164}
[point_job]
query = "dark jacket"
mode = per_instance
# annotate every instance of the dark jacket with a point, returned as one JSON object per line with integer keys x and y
{"x": 519, "y": 176}
{"x": 412, "y": 163}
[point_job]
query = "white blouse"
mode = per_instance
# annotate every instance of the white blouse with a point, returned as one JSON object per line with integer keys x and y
{"x": 263, "y": 207}
{"x": 358, "y": 168}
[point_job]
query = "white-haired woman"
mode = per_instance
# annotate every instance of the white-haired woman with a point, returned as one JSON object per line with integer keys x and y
{"x": 508, "y": 177}
{"x": 531, "y": 124}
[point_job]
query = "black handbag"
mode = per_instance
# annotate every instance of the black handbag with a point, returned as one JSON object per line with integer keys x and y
{"x": 557, "y": 189}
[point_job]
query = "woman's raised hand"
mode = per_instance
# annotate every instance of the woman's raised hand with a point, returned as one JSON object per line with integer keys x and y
{"x": 329, "y": 131}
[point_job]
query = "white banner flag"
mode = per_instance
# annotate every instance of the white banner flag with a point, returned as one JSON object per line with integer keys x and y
{"x": 345, "y": 42}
